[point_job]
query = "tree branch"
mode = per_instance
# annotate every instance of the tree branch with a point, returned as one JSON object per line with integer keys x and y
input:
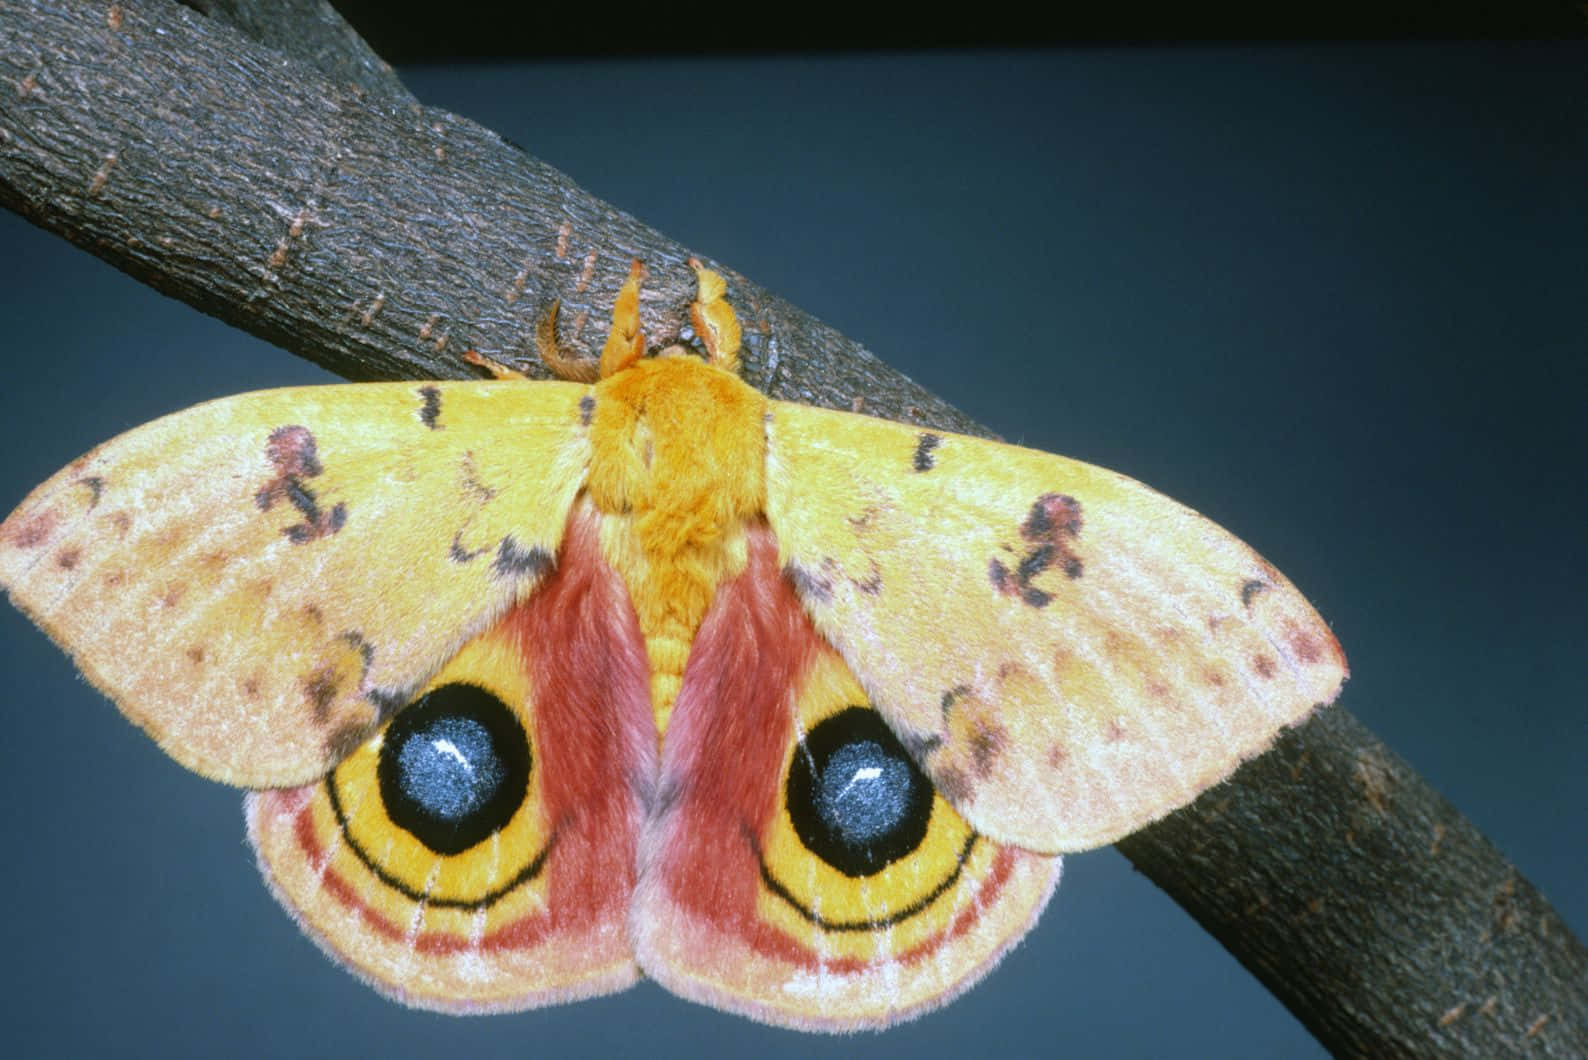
{"x": 311, "y": 32}
{"x": 257, "y": 161}
{"x": 1377, "y": 913}
{"x": 339, "y": 218}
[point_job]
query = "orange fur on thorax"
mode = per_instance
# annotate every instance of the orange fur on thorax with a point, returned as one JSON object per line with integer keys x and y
{"x": 677, "y": 465}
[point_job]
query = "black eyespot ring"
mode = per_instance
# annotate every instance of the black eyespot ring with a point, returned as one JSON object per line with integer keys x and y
{"x": 454, "y": 767}
{"x": 856, "y": 799}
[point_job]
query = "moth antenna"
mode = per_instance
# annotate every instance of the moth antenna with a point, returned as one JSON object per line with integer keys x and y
{"x": 714, "y": 319}
{"x": 625, "y": 342}
{"x": 575, "y": 366}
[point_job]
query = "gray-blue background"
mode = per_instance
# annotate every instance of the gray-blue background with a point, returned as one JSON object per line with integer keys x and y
{"x": 1332, "y": 297}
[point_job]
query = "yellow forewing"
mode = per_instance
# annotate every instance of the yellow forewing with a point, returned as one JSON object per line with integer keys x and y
{"x": 258, "y": 581}
{"x": 1069, "y": 654}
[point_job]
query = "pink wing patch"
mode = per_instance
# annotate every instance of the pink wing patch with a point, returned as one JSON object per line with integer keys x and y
{"x": 479, "y": 853}
{"x": 800, "y": 869}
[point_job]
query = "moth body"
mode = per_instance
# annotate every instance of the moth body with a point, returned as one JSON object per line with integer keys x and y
{"x": 677, "y": 469}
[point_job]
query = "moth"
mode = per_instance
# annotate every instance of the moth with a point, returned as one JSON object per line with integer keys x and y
{"x": 543, "y": 686}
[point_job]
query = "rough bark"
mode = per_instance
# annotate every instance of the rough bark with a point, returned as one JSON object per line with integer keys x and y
{"x": 316, "y": 204}
{"x": 258, "y": 161}
{"x": 1370, "y": 906}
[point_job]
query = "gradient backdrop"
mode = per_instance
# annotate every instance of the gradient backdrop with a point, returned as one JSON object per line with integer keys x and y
{"x": 1332, "y": 297}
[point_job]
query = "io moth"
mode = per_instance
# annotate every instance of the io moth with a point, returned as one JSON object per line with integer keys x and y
{"x": 543, "y": 686}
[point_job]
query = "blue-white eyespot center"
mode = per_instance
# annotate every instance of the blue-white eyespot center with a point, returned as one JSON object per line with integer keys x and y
{"x": 450, "y": 768}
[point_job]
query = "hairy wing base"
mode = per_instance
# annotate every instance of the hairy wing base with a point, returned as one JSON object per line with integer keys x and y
{"x": 525, "y": 903}
{"x": 800, "y": 871}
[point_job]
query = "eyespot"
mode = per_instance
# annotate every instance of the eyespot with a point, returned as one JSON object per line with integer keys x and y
{"x": 443, "y": 806}
{"x": 856, "y": 799}
{"x": 861, "y": 839}
{"x": 454, "y": 767}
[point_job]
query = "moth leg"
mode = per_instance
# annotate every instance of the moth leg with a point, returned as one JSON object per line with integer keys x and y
{"x": 497, "y": 369}
{"x": 625, "y": 342}
{"x": 714, "y": 318}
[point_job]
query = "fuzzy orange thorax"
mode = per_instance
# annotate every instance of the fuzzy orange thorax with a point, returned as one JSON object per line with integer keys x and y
{"x": 678, "y": 465}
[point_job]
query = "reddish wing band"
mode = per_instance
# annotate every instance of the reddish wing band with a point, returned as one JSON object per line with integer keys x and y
{"x": 459, "y": 902}
{"x": 800, "y": 869}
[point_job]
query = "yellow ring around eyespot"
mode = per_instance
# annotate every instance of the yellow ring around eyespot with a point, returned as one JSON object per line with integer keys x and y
{"x": 802, "y": 894}
{"x": 477, "y": 876}
{"x": 908, "y": 899}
